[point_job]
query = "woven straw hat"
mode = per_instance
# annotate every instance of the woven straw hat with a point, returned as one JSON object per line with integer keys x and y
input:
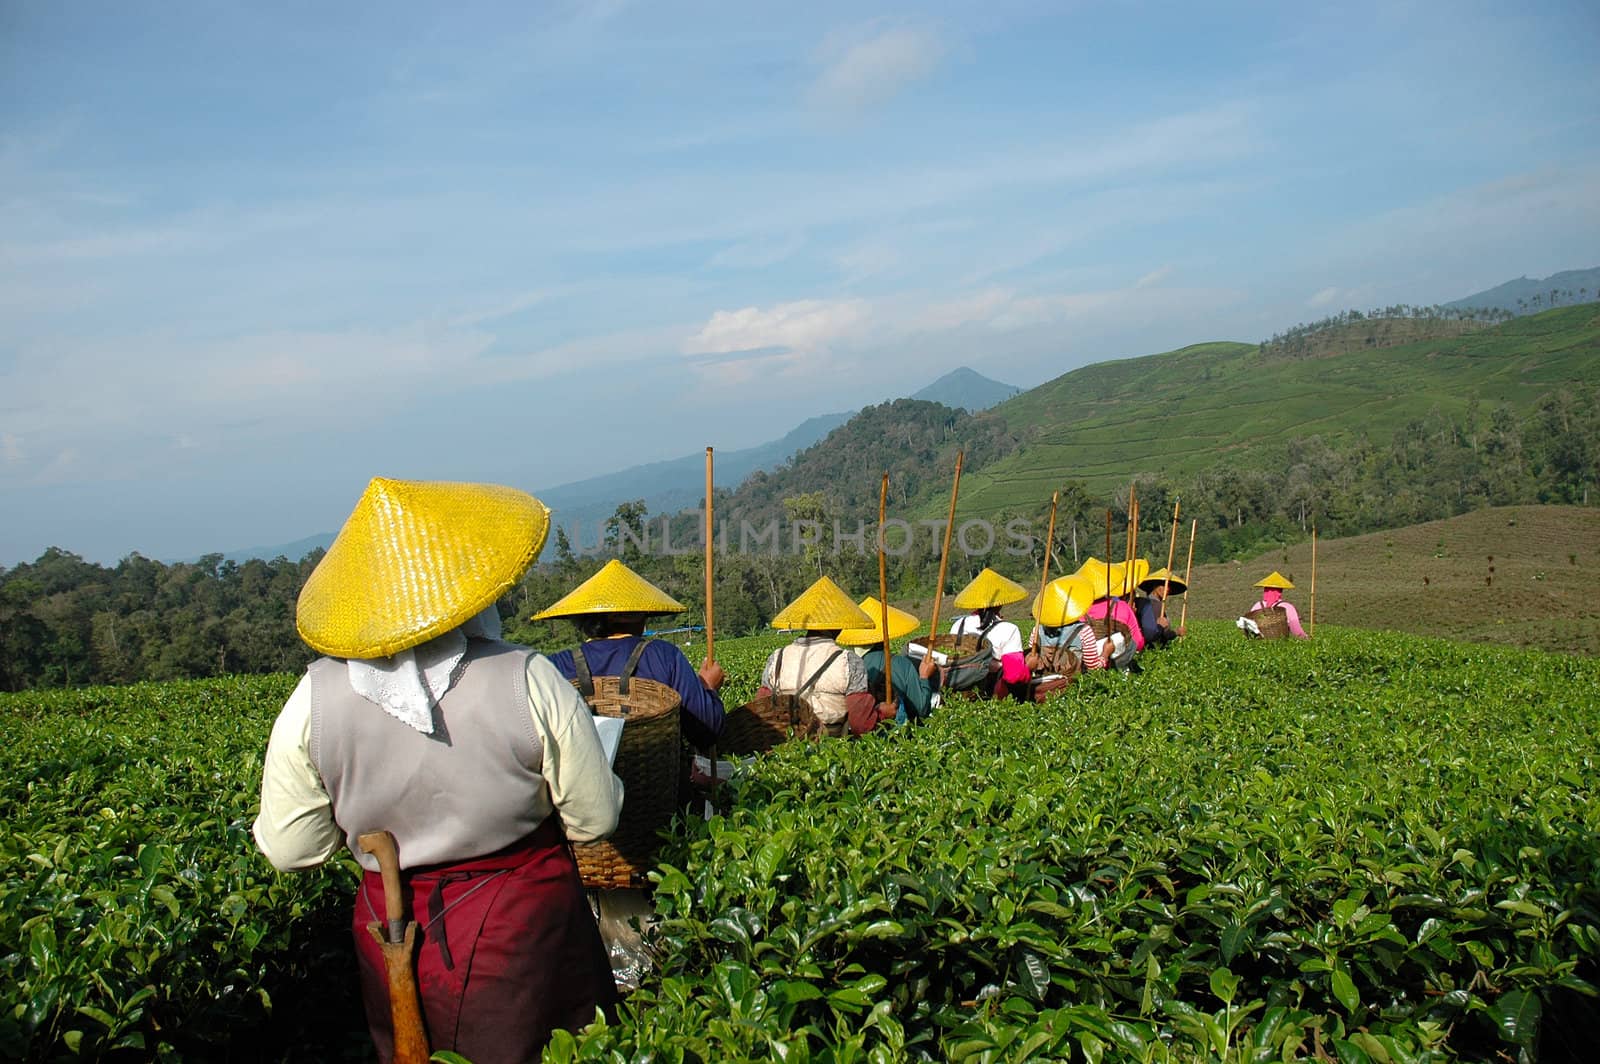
{"x": 1094, "y": 571}
{"x": 614, "y": 589}
{"x": 989, "y": 588}
{"x": 1277, "y": 580}
{"x": 1063, "y": 601}
{"x": 822, "y": 607}
{"x": 900, "y": 623}
{"x": 414, "y": 560}
{"x": 1126, "y": 576}
{"x": 1159, "y": 577}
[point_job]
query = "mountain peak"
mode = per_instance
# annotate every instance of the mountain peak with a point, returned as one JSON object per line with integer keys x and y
{"x": 966, "y": 389}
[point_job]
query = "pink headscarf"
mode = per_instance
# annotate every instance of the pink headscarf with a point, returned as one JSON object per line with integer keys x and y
{"x": 1271, "y": 596}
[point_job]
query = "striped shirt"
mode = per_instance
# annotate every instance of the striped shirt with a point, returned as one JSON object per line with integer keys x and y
{"x": 1078, "y": 638}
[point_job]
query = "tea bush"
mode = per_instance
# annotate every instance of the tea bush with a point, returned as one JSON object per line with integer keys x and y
{"x": 1368, "y": 847}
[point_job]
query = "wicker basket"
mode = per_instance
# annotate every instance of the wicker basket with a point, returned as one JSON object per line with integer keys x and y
{"x": 1273, "y": 622}
{"x": 649, "y": 765}
{"x": 957, "y": 646}
{"x": 764, "y": 722}
{"x": 1103, "y": 628}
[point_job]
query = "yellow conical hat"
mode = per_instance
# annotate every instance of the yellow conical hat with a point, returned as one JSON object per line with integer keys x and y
{"x": 1063, "y": 601}
{"x": 900, "y": 623}
{"x": 1159, "y": 577}
{"x": 822, "y": 607}
{"x": 614, "y": 589}
{"x": 1126, "y": 576}
{"x": 1277, "y": 580}
{"x": 989, "y": 588}
{"x": 414, "y": 560}
{"x": 1094, "y": 571}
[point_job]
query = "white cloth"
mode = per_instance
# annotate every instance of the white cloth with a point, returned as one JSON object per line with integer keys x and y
{"x": 408, "y": 685}
{"x": 1005, "y": 637}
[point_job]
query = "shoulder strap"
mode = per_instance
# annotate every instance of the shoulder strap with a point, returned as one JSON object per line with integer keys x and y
{"x": 633, "y": 664}
{"x": 809, "y": 684}
{"x": 580, "y": 665}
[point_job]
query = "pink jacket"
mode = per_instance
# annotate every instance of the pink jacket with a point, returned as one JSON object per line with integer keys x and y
{"x": 1124, "y": 613}
{"x": 1292, "y": 615}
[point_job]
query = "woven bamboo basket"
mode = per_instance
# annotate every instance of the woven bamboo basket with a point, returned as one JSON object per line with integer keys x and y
{"x": 957, "y": 646}
{"x": 1103, "y": 627}
{"x": 1273, "y": 622}
{"x": 650, "y": 767}
{"x": 764, "y": 722}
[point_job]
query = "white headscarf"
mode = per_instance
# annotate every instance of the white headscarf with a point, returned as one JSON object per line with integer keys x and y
{"x": 409, "y": 684}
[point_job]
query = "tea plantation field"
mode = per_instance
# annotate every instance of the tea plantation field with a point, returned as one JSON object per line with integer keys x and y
{"x": 1370, "y": 847}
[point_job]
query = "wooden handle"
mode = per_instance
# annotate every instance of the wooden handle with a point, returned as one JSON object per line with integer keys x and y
{"x": 405, "y": 1008}
{"x": 381, "y": 845}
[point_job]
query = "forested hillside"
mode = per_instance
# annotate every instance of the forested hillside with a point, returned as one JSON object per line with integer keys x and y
{"x": 1184, "y": 412}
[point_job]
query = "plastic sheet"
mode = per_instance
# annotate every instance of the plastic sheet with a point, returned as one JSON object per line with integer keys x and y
{"x": 625, "y": 918}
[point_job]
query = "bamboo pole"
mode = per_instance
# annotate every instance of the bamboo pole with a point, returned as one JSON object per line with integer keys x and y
{"x": 883, "y": 591}
{"x": 711, "y": 644}
{"x": 1188, "y": 571}
{"x": 1312, "y": 630}
{"x": 1172, "y": 546}
{"x": 1127, "y": 540}
{"x": 944, "y": 556}
{"x": 1133, "y": 549}
{"x": 1108, "y": 563}
{"x": 1049, "y": 542}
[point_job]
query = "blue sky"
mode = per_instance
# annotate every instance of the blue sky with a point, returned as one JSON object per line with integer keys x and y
{"x": 252, "y": 255}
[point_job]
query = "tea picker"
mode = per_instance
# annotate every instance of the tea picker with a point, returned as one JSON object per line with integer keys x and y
{"x": 474, "y": 754}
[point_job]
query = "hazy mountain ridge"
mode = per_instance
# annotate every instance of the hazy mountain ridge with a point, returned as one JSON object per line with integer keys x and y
{"x": 1518, "y": 296}
{"x": 673, "y": 484}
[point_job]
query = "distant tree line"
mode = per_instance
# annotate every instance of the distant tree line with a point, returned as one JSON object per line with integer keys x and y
{"x": 66, "y": 621}
{"x": 1399, "y": 323}
{"x": 1556, "y": 297}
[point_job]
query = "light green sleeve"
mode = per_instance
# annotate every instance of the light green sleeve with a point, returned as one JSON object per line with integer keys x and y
{"x": 584, "y": 790}
{"x": 295, "y": 828}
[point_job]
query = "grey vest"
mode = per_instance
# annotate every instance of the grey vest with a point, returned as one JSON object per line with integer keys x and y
{"x": 469, "y": 789}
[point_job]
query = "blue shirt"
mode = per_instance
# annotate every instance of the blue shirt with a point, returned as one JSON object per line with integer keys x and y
{"x": 913, "y": 695}
{"x": 702, "y": 715}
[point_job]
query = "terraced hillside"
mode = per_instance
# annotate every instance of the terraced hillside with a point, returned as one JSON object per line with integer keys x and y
{"x": 1518, "y": 575}
{"x": 1180, "y": 412}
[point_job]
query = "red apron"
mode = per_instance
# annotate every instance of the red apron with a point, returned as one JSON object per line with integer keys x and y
{"x": 509, "y": 952}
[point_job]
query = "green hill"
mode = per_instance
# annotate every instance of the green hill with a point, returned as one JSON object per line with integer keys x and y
{"x": 1178, "y": 413}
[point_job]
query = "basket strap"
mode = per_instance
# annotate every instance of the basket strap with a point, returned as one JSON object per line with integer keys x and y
{"x": 809, "y": 684}
{"x": 580, "y": 665}
{"x": 632, "y": 665}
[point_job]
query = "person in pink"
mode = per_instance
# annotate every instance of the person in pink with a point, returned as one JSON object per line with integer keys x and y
{"x": 984, "y": 597}
{"x": 1272, "y": 589}
{"x": 1120, "y": 611}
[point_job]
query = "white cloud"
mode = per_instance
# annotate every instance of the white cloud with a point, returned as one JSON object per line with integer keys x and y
{"x": 1324, "y": 298}
{"x": 1154, "y": 277}
{"x": 10, "y": 448}
{"x": 864, "y": 72}
{"x": 803, "y": 325}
